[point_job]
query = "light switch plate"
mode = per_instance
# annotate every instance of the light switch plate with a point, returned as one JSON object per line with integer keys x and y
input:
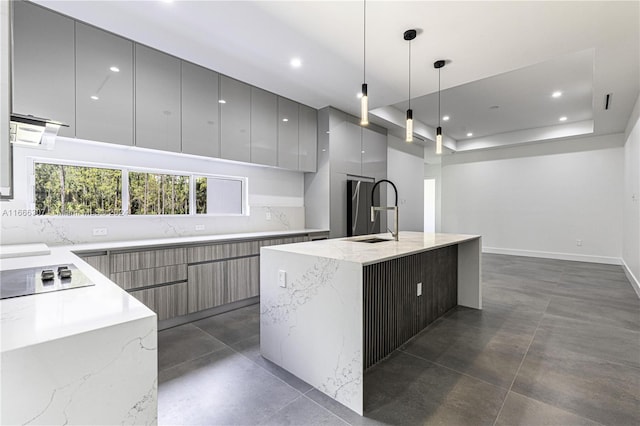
{"x": 282, "y": 278}
{"x": 419, "y": 289}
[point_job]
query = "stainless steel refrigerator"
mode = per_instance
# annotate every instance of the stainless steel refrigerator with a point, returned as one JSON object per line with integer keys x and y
{"x": 359, "y": 208}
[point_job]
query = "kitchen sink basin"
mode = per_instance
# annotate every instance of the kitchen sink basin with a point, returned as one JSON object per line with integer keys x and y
{"x": 370, "y": 240}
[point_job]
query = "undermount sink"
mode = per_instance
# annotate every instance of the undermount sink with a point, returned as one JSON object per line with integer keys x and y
{"x": 370, "y": 240}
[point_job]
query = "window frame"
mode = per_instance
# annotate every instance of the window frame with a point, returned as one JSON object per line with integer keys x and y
{"x": 125, "y": 170}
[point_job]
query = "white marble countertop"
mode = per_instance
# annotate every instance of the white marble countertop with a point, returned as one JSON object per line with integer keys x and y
{"x": 155, "y": 242}
{"x": 346, "y": 249}
{"x": 39, "y": 318}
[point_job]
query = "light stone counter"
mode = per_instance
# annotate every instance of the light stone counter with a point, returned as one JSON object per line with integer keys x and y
{"x": 81, "y": 356}
{"x": 311, "y": 295}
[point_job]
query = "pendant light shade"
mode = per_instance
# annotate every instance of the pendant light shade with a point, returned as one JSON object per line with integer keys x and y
{"x": 438, "y": 65}
{"x": 408, "y": 36}
{"x": 364, "y": 106}
{"x": 364, "y": 100}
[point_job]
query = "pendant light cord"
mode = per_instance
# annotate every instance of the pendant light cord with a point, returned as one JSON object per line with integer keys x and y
{"x": 409, "y": 74}
{"x": 439, "y": 96}
{"x": 364, "y": 42}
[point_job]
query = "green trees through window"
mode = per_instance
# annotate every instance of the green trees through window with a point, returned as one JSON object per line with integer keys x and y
{"x": 62, "y": 189}
{"x": 75, "y": 190}
{"x": 153, "y": 193}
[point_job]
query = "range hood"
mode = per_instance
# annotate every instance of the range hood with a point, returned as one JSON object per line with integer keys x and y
{"x": 33, "y": 131}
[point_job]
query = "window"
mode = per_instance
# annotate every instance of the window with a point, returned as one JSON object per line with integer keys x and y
{"x": 76, "y": 190}
{"x": 154, "y": 193}
{"x": 219, "y": 195}
{"x": 64, "y": 189}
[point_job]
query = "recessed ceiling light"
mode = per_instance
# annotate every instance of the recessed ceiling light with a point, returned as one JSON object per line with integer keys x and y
{"x": 296, "y": 62}
{"x": 556, "y": 94}
{"x": 469, "y": 134}
{"x": 285, "y": 119}
{"x": 445, "y": 118}
{"x": 115, "y": 69}
{"x": 222, "y": 101}
{"x": 94, "y": 97}
{"x": 563, "y": 118}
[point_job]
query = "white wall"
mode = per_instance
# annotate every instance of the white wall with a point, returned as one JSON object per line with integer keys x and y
{"x": 405, "y": 168}
{"x": 537, "y": 200}
{"x": 279, "y": 192}
{"x": 5, "y": 43}
{"x": 631, "y": 200}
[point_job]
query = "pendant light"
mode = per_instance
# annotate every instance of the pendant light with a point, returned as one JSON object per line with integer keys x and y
{"x": 438, "y": 65}
{"x": 364, "y": 100}
{"x": 408, "y": 36}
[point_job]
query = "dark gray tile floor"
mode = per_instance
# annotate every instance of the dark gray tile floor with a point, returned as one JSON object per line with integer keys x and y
{"x": 557, "y": 343}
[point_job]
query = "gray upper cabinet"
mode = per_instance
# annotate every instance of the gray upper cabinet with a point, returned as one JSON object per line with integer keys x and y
{"x": 200, "y": 115}
{"x": 235, "y": 120}
{"x": 308, "y": 138}
{"x": 264, "y": 127}
{"x": 346, "y": 148}
{"x": 374, "y": 155}
{"x": 43, "y": 65}
{"x": 104, "y": 86}
{"x": 157, "y": 100}
{"x": 287, "y": 134}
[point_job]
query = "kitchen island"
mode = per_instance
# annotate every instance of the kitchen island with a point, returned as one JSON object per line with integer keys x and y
{"x": 331, "y": 309}
{"x": 85, "y": 355}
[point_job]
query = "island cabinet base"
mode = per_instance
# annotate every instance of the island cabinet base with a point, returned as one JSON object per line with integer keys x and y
{"x": 331, "y": 309}
{"x": 404, "y": 295}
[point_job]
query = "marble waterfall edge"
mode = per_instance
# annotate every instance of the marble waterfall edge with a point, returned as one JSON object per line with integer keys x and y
{"x": 304, "y": 341}
{"x": 108, "y": 376}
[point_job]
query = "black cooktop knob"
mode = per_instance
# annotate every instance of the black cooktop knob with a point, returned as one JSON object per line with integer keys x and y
{"x": 64, "y": 272}
{"x": 47, "y": 275}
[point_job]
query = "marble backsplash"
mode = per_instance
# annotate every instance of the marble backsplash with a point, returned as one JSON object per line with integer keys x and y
{"x": 20, "y": 229}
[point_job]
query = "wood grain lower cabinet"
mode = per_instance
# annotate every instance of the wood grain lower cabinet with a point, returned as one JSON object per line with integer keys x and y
{"x": 152, "y": 276}
{"x": 99, "y": 262}
{"x": 129, "y": 261}
{"x": 167, "y": 302}
{"x": 206, "y": 286}
{"x": 243, "y": 278}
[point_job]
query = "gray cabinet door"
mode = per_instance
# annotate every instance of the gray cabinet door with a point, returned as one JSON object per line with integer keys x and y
{"x": 206, "y": 286}
{"x": 243, "y": 278}
{"x": 43, "y": 65}
{"x": 264, "y": 127}
{"x": 200, "y": 115}
{"x": 235, "y": 120}
{"x": 157, "y": 100}
{"x": 374, "y": 156}
{"x": 346, "y": 149}
{"x": 104, "y": 86}
{"x": 287, "y": 134}
{"x": 307, "y": 138}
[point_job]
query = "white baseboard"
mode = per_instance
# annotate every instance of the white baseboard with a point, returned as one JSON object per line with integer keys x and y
{"x": 552, "y": 255}
{"x": 632, "y": 278}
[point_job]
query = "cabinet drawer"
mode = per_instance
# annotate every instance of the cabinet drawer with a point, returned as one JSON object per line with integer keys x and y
{"x": 167, "y": 302}
{"x": 222, "y": 251}
{"x": 99, "y": 262}
{"x": 131, "y": 261}
{"x": 145, "y": 277}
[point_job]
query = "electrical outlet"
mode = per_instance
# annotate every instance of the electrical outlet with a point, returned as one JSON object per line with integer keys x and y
{"x": 98, "y": 232}
{"x": 267, "y": 215}
{"x": 579, "y": 243}
{"x": 199, "y": 227}
{"x": 282, "y": 278}
{"x": 419, "y": 290}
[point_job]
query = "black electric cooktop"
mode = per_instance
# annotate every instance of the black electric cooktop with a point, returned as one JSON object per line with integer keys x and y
{"x": 43, "y": 279}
